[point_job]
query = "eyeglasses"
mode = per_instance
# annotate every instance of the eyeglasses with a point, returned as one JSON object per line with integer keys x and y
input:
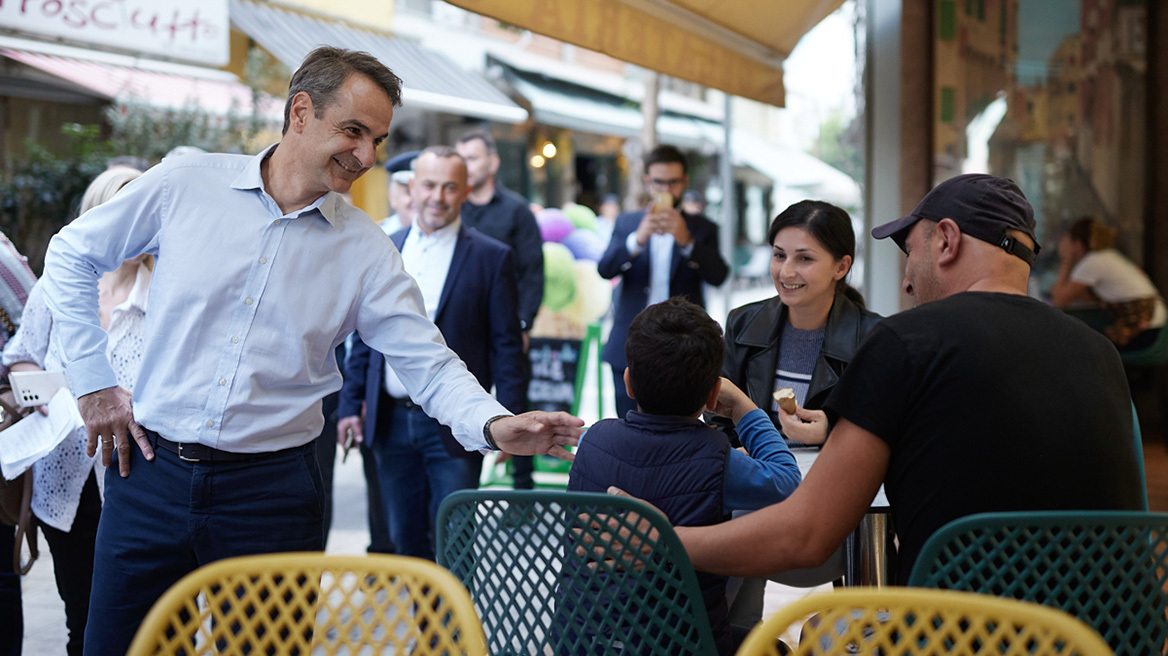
{"x": 658, "y": 183}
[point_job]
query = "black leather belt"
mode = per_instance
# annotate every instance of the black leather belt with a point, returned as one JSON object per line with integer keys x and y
{"x": 404, "y": 403}
{"x": 195, "y": 452}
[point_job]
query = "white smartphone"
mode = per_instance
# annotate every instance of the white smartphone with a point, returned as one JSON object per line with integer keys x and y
{"x": 32, "y": 388}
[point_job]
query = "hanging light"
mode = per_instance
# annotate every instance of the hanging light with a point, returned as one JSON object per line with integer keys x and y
{"x": 537, "y": 161}
{"x": 549, "y": 150}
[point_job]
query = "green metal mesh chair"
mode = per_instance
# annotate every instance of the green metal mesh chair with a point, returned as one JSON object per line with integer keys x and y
{"x": 1109, "y": 569}
{"x": 516, "y": 551}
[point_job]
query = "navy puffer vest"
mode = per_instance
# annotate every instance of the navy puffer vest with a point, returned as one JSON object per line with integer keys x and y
{"x": 678, "y": 464}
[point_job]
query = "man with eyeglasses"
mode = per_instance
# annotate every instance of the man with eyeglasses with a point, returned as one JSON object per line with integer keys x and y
{"x": 659, "y": 252}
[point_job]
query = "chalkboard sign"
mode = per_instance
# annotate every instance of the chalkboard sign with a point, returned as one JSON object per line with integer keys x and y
{"x": 553, "y": 373}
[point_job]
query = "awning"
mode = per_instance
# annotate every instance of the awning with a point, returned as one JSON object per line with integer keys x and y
{"x": 430, "y": 80}
{"x": 737, "y": 46}
{"x": 575, "y": 107}
{"x": 122, "y": 79}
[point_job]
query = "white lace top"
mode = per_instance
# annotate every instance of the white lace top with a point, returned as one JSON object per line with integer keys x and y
{"x": 59, "y": 476}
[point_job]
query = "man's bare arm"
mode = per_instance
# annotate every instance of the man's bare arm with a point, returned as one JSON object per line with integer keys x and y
{"x": 804, "y": 530}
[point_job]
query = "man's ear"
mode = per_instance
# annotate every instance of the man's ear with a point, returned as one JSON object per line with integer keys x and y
{"x": 629, "y": 385}
{"x": 950, "y": 236}
{"x": 299, "y": 111}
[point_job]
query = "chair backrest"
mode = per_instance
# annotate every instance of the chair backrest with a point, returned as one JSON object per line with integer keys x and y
{"x": 1109, "y": 569}
{"x": 906, "y": 622}
{"x": 302, "y": 603}
{"x": 1139, "y": 450}
{"x": 526, "y": 558}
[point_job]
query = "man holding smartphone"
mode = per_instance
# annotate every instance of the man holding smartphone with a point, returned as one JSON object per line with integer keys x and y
{"x": 659, "y": 252}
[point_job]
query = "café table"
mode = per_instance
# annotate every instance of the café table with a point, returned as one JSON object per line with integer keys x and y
{"x": 867, "y": 556}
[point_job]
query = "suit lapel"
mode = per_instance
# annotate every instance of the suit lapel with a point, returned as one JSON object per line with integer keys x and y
{"x": 461, "y": 245}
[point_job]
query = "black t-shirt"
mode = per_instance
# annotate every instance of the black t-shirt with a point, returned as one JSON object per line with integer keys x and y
{"x": 991, "y": 402}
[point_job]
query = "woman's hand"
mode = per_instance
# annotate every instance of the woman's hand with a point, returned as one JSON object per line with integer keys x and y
{"x": 806, "y": 426}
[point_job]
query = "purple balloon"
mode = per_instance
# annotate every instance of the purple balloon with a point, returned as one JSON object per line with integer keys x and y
{"x": 554, "y": 225}
{"x": 585, "y": 245}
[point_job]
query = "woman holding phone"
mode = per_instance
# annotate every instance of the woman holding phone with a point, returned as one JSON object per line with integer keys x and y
{"x": 66, "y": 500}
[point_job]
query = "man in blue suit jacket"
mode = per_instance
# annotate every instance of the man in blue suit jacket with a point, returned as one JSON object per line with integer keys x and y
{"x": 659, "y": 253}
{"x": 468, "y": 286}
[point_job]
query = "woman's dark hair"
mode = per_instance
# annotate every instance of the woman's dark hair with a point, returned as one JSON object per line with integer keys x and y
{"x": 1092, "y": 233}
{"x": 831, "y": 226}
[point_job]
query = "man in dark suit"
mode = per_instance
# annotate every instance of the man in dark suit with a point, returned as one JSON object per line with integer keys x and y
{"x": 659, "y": 253}
{"x": 468, "y": 286}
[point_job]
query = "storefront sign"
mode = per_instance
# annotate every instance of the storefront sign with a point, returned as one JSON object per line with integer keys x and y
{"x": 177, "y": 29}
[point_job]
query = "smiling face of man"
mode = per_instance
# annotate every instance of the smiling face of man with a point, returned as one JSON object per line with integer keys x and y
{"x": 439, "y": 189}
{"x": 343, "y": 139}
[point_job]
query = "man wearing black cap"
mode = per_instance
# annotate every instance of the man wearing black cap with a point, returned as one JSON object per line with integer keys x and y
{"x": 981, "y": 399}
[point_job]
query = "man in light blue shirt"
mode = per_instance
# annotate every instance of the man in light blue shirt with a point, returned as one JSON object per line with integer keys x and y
{"x": 262, "y": 271}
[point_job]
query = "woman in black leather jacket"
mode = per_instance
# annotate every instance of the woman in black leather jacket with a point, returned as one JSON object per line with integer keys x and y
{"x": 813, "y": 248}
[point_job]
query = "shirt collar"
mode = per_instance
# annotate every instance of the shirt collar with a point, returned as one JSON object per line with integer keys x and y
{"x": 446, "y": 233}
{"x": 251, "y": 178}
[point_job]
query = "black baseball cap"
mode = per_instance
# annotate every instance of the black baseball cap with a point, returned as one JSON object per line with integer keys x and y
{"x": 983, "y": 206}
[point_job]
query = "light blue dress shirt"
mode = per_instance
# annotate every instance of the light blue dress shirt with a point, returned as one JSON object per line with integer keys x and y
{"x": 246, "y": 307}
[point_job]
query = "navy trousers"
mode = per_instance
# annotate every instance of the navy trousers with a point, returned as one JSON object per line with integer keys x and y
{"x": 416, "y": 473}
{"x": 170, "y": 516}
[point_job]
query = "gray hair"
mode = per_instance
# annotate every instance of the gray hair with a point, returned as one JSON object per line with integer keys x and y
{"x": 326, "y": 69}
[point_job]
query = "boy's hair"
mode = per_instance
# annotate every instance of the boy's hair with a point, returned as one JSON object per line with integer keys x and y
{"x": 675, "y": 353}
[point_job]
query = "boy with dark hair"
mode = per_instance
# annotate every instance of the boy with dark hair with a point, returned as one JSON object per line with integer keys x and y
{"x": 664, "y": 454}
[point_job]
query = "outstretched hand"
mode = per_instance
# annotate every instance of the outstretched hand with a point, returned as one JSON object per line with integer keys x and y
{"x": 109, "y": 418}
{"x": 538, "y": 434}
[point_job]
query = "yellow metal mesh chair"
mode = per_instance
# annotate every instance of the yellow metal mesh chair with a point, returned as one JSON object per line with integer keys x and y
{"x": 309, "y": 603}
{"x": 911, "y": 622}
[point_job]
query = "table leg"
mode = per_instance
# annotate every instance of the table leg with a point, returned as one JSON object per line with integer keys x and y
{"x": 873, "y": 549}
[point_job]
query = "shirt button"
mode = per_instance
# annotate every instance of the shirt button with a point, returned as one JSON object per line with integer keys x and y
{"x": 247, "y": 300}
{"x": 222, "y": 381}
{"x": 234, "y": 340}
{"x": 277, "y": 222}
{"x": 210, "y": 423}
{"x": 263, "y": 260}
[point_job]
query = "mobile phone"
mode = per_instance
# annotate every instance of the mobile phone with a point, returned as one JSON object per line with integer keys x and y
{"x": 350, "y": 439}
{"x": 33, "y": 388}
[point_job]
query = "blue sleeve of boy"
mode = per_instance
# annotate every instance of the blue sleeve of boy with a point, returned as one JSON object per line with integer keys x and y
{"x": 767, "y": 476}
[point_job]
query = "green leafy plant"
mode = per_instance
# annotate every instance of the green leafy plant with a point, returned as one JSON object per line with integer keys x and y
{"x": 41, "y": 192}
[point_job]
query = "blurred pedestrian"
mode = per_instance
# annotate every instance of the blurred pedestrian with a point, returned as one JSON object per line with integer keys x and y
{"x": 66, "y": 499}
{"x": 401, "y": 202}
{"x": 498, "y": 212}
{"x": 659, "y": 253}
{"x": 1093, "y": 273}
{"x": 468, "y": 286}
{"x": 16, "y": 281}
